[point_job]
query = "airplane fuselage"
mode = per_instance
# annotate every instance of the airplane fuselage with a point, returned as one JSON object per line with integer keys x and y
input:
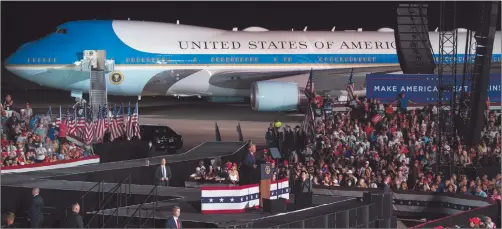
{"x": 169, "y": 59}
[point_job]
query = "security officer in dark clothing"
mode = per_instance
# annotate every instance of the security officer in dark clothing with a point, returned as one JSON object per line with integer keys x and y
{"x": 289, "y": 141}
{"x": 304, "y": 184}
{"x": 35, "y": 213}
{"x": 74, "y": 220}
{"x": 270, "y": 136}
{"x": 300, "y": 140}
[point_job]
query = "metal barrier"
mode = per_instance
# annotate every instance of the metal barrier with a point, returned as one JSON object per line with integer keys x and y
{"x": 153, "y": 193}
{"x": 357, "y": 217}
{"x": 117, "y": 192}
{"x": 81, "y": 201}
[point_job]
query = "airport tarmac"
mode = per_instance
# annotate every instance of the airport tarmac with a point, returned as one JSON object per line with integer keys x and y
{"x": 193, "y": 118}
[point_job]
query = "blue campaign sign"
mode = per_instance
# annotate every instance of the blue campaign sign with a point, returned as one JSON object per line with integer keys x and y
{"x": 420, "y": 88}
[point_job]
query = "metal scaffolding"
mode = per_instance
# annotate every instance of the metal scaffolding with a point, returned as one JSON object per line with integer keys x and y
{"x": 447, "y": 82}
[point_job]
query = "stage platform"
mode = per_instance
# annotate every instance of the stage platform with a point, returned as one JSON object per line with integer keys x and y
{"x": 190, "y": 212}
{"x": 62, "y": 187}
{"x": 202, "y": 151}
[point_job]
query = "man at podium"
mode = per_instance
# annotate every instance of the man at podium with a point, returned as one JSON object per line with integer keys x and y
{"x": 250, "y": 160}
{"x": 250, "y": 173}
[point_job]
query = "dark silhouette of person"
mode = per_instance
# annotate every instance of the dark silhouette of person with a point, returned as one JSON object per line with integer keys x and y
{"x": 304, "y": 184}
{"x": 35, "y": 213}
{"x": 74, "y": 220}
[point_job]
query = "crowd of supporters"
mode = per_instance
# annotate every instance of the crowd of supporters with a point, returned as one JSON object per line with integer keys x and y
{"x": 216, "y": 173}
{"x": 28, "y": 138}
{"x": 376, "y": 145}
{"x": 475, "y": 222}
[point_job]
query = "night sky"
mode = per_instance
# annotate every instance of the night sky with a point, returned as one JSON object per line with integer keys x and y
{"x": 26, "y": 21}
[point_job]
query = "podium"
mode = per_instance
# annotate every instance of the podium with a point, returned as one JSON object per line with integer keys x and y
{"x": 265, "y": 181}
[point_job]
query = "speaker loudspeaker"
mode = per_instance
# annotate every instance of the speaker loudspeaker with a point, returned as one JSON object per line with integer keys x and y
{"x": 274, "y": 206}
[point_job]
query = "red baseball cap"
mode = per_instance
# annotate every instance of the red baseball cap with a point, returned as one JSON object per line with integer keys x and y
{"x": 475, "y": 220}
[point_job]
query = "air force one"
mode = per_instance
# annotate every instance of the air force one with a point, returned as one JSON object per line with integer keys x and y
{"x": 162, "y": 59}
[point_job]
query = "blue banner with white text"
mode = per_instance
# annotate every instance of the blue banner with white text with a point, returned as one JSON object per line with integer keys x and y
{"x": 421, "y": 89}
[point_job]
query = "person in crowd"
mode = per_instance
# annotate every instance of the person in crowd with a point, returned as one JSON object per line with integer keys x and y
{"x": 174, "y": 221}
{"x": 27, "y": 113}
{"x": 8, "y": 104}
{"x": 222, "y": 173}
{"x": 474, "y": 222}
{"x": 233, "y": 174}
{"x": 35, "y": 213}
{"x": 489, "y": 223}
{"x": 210, "y": 174}
{"x": 480, "y": 192}
{"x": 9, "y": 218}
{"x": 198, "y": 175}
{"x": 74, "y": 220}
{"x": 163, "y": 174}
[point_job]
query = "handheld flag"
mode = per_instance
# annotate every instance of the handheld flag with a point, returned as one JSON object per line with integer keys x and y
{"x": 350, "y": 87}
{"x": 59, "y": 118}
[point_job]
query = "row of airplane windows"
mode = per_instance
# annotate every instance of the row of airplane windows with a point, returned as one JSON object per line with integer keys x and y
{"x": 249, "y": 59}
{"x": 253, "y": 59}
{"x": 472, "y": 58}
{"x": 42, "y": 60}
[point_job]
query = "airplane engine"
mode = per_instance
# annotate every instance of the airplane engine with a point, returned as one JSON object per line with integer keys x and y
{"x": 277, "y": 96}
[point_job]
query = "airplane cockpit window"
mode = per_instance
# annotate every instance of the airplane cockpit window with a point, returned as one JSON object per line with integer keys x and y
{"x": 62, "y": 31}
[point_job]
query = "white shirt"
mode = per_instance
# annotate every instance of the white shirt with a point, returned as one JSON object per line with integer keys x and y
{"x": 175, "y": 221}
{"x": 40, "y": 153}
{"x": 163, "y": 167}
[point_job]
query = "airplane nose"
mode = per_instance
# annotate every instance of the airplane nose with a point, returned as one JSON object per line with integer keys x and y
{"x": 21, "y": 55}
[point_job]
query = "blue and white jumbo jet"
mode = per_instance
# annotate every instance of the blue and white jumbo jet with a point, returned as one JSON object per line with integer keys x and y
{"x": 162, "y": 59}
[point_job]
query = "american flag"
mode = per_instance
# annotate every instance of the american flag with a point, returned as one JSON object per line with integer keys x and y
{"x": 105, "y": 116}
{"x": 67, "y": 121}
{"x": 120, "y": 120}
{"x": 133, "y": 124}
{"x": 114, "y": 128}
{"x": 128, "y": 130}
{"x": 376, "y": 119}
{"x": 89, "y": 129}
{"x": 100, "y": 125}
{"x": 81, "y": 116}
{"x": 49, "y": 113}
{"x": 59, "y": 118}
{"x": 72, "y": 126}
{"x": 350, "y": 87}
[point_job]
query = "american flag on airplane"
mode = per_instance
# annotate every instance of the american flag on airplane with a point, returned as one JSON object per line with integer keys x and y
{"x": 59, "y": 118}
{"x": 133, "y": 124}
{"x": 100, "y": 125}
{"x": 72, "y": 126}
{"x": 376, "y": 119}
{"x": 89, "y": 130}
{"x": 114, "y": 128}
{"x": 120, "y": 120}
{"x": 350, "y": 87}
